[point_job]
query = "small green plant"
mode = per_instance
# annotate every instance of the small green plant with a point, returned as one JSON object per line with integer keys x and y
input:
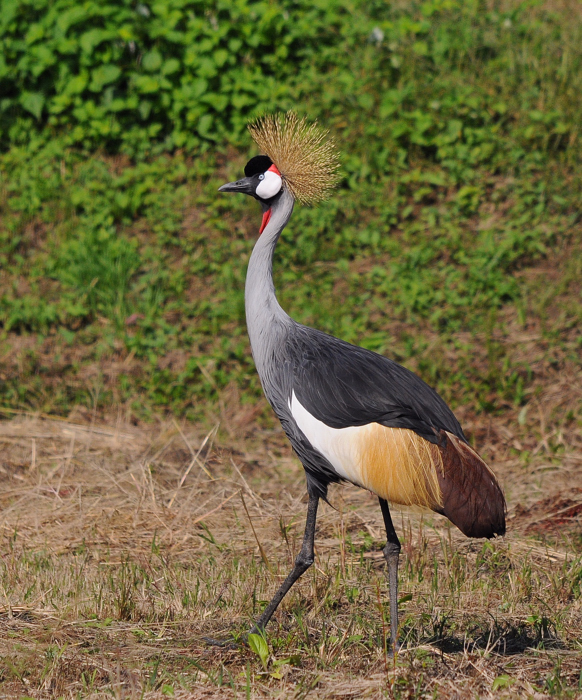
{"x": 502, "y": 681}
{"x": 258, "y": 644}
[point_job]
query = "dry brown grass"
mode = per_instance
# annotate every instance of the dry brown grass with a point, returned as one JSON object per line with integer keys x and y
{"x": 122, "y": 547}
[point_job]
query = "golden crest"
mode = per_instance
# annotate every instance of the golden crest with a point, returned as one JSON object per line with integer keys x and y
{"x": 304, "y": 155}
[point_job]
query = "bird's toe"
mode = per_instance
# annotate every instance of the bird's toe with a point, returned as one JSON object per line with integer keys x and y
{"x": 224, "y": 643}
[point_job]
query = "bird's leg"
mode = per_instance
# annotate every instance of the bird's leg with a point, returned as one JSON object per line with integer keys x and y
{"x": 304, "y": 560}
{"x": 391, "y": 554}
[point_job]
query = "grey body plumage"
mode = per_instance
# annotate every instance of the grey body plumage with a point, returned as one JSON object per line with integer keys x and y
{"x": 341, "y": 384}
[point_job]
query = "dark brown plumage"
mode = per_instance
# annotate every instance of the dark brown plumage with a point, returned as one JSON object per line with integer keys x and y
{"x": 472, "y": 498}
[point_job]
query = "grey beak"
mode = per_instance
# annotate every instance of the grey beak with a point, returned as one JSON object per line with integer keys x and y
{"x": 246, "y": 186}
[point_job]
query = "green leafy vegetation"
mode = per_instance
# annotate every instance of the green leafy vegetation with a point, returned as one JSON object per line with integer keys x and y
{"x": 458, "y": 125}
{"x": 165, "y": 75}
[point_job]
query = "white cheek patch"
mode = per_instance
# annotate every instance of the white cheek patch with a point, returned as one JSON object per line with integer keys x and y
{"x": 270, "y": 186}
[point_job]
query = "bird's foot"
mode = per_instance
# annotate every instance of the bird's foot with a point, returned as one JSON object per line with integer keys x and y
{"x": 225, "y": 643}
{"x": 238, "y": 640}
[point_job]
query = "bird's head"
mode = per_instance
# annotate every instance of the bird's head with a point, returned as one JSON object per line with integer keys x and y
{"x": 262, "y": 180}
{"x": 299, "y": 159}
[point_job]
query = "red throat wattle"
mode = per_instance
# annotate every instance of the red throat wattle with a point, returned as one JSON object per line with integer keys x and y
{"x": 265, "y": 221}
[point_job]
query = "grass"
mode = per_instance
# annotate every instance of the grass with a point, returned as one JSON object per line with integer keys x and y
{"x": 124, "y": 547}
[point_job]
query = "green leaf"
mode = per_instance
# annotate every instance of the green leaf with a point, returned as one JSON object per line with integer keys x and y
{"x": 218, "y": 102}
{"x": 145, "y": 107}
{"x": 258, "y": 644}
{"x": 502, "y": 681}
{"x": 104, "y": 75}
{"x": 43, "y": 59}
{"x": 366, "y": 101}
{"x": 152, "y": 61}
{"x": 172, "y": 65}
{"x": 35, "y": 32}
{"x": 71, "y": 17}
{"x": 198, "y": 87}
{"x": 76, "y": 85}
{"x": 220, "y": 57}
{"x": 204, "y": 125}
{"x": 282, "y": 662}
{"x": 33, "y": 102}
{"x": 89, "y": 40}
{"x": 146, "y": 84}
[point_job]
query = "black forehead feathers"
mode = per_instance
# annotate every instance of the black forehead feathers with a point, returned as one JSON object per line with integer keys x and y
{"x": 258, "y": 164}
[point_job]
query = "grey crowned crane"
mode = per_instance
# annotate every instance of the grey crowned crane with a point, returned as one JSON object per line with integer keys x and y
{"x": 350, "y": 414}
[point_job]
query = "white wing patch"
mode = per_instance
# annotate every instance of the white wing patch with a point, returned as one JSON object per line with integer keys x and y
{"x": 340, "y": 446}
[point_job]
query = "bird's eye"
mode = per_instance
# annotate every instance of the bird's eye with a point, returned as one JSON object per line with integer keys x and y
{"x": 262, "y": 176}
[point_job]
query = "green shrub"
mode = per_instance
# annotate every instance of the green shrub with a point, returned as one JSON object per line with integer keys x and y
{"x": 170, "y": 74}
{"x": 179, "y": 73}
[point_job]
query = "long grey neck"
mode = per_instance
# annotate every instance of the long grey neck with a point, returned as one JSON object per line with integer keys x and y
{"x": 267, "y": 323}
